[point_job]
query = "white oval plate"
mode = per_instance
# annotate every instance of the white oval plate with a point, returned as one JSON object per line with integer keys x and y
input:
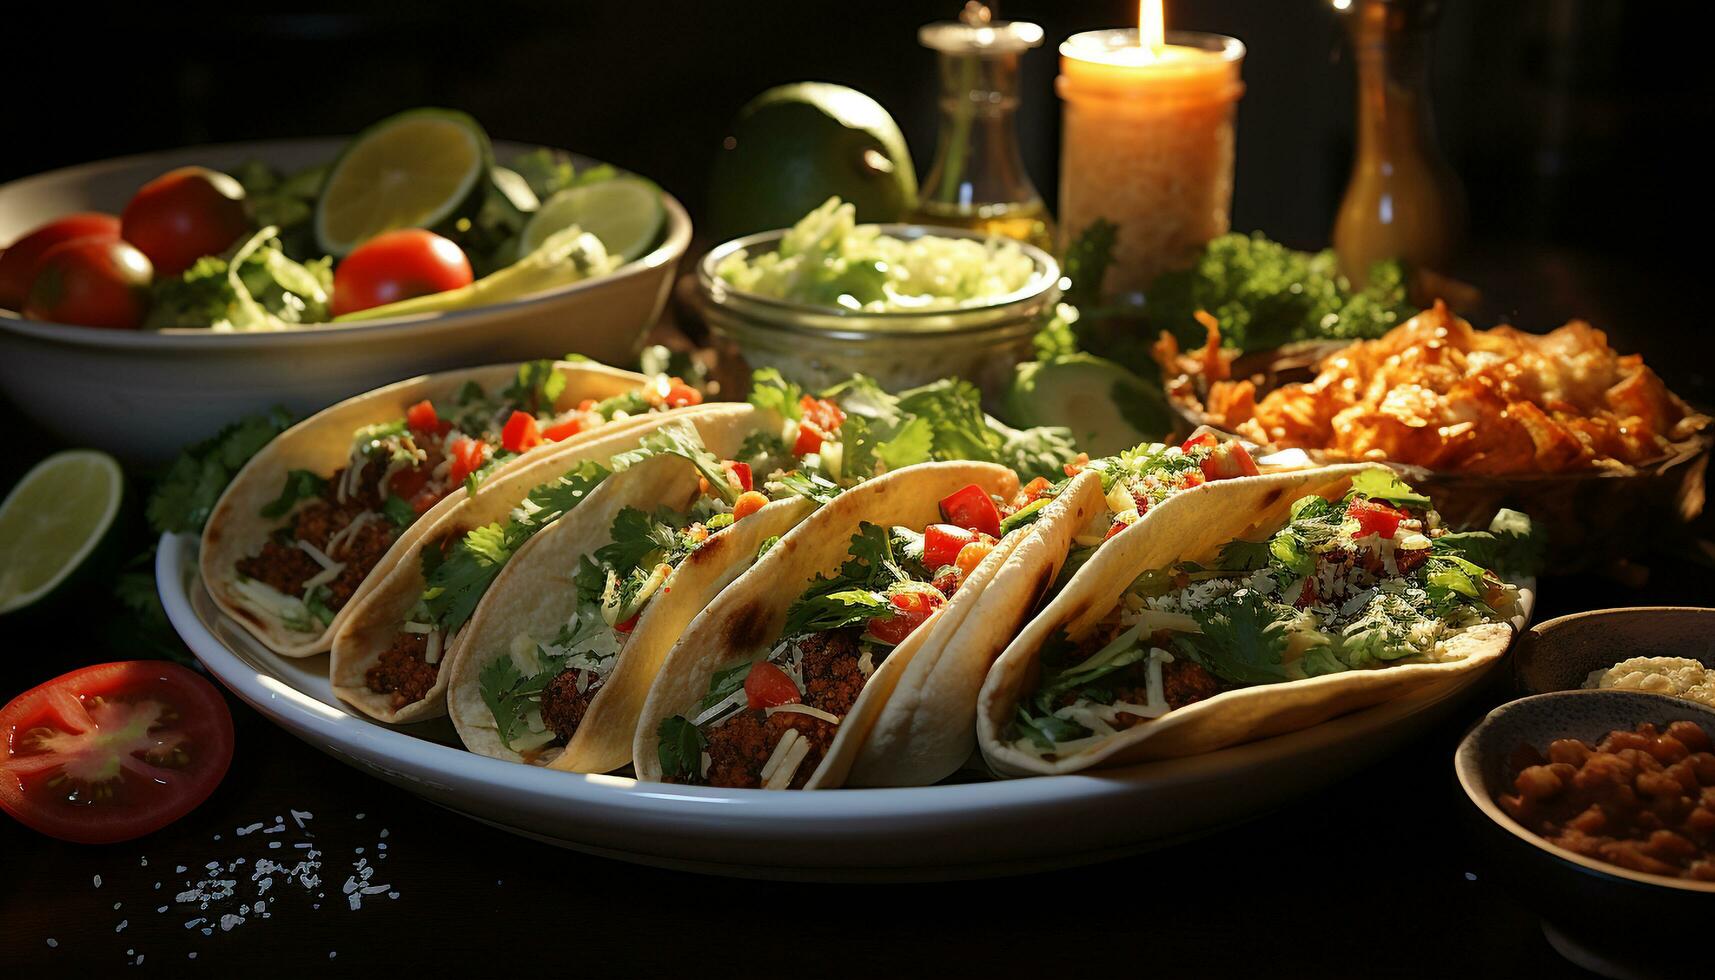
{"x": 965, "y": 829}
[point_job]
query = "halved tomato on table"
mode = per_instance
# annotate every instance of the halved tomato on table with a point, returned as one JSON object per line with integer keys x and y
{"x": 114, "y": 751}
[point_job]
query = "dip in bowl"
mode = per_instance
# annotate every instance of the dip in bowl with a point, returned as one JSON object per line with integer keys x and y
{"x": 904, "y": 304}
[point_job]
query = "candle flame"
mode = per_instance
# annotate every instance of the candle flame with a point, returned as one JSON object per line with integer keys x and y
{"x": 1151, "y": 26}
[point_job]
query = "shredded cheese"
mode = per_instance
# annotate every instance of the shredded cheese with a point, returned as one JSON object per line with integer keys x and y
{"x": 782, "y": 749}
{"x": 720, "y": 708}
{"x": 321, "y": 557}
{"x": 432, "y": 653}
{"x": 804, "y": 709}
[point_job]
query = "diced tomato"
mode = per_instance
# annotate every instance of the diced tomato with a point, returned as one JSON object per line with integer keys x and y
{"x": 972, "y": 507}
{"x": 824, "y": 414}
{"x": 467, "y": 457}
{"x": 679, "y": 394}
{"x": 1202, "y": 440}
{"x": 628, "y": 625}
{"x": 948, "y": 581}
{"x": 1077, "y": 464}
{"x": 408, "y": 482}
{"x": 424, "y": 500}
{"x": 972, "y": 555}
{"x": 520, "y": 433}
{"x": 586, "y": 405}
{"x": 1229, "y": 460}
{"x": 767, "y": 686}
{"x": 561, "y": 431}
{"x": 1032, "y": 490}
{"x": 943, "y": 542}
{"x": 810, "y": 437}
{"x": 1375, "y": 517}
{"x": 912, "y": 606}
{"x": 421, "y": 417}
{"x": 741, "y": 473}
{"x": 1119, "y": 525}
{"x": 748, "y": 503}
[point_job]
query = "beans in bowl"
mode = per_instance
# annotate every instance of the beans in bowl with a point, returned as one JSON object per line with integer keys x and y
{"x": 1642, "y": 800}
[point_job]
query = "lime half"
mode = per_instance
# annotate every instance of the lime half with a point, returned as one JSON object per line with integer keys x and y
{"x": 52, "y": 520}
{"x": 625, "y": 213}
{"x": 413, "y": 170}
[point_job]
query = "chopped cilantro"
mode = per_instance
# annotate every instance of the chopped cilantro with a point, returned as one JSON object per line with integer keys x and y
{"x": 398, "y": 510}
{"x": 186, "y": 493}
{"x": 680, "y": 748}
{"x": 1242, "y": 641}
{"x": 536, "y": 388}
{"x": 300, "y": 485}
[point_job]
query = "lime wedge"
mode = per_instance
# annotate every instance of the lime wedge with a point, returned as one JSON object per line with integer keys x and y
{"x": 413, "y": 170}
{"x": 625, "y": 213}
{"x": 52, "y": 520}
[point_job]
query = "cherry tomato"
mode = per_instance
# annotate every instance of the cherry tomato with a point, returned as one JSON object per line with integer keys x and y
{"x": 942, "y": 544}
{"x": 1229, "y": 460}
{"x": 18, "y": 262}
{"x": 183, "y": 215}
{"x": 748, "y": 503}
{"x": 1375, "y": 517}
{"x": 561, "y": 431}
{"x": 972, "y": 508}
{"x": 912, "y": 606}
{"x": 468, "y": 457}
{"x": 421, "y": 417}
{"x": 520, "y": 433}
{"x": 767, "y": 686}
{"x": 112, "y": 752}
{"x": 91, "y": 282}
{"x": 398, "y": 265}
{"x": 1032, "y": 490}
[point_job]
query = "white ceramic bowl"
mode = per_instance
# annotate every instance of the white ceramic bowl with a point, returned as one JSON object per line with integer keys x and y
{"x": 142, "y": 396}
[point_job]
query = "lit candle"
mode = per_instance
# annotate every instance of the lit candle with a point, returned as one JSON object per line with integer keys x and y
{"x": 1147, "y": 142}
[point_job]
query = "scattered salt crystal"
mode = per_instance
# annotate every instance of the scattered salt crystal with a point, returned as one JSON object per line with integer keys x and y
{"x": 332, "y": 954}
{"x": 122, "y": 924}
{"x": 360, "y": 816}
{"x": 161, "y": 909}
{"x": 145, "y": 862}
{"x": 251, "y": 829}
{"x": 98, "y": 881}
{"x": 392, "y": 894}
{"x": 229, "y": 920}
{"x": 273, "y": 844}
{"x": 383, "y": 832}
{"x": 192, "y": 954}
{"x": 194, "y": 922}
{"x": 179, "y": 870}
{"x": 53, "y": 943}
{"x": 116, "y": 906}
{"x": 300, "y": 816}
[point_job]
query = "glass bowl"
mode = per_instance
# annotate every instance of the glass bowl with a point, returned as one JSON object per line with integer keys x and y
{"x": 819, "y": 346}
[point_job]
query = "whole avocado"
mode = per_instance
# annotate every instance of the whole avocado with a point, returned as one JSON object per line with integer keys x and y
{"x": 794, "y": 146}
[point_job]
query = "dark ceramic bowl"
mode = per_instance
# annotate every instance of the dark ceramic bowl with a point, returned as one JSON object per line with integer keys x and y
{"x": 1559, "y": 654}
{"x": 1617, "y": 921}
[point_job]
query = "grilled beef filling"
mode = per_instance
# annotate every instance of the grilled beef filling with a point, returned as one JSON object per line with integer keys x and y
{"x": 740, "y": 746}
{"x": 401, "y": 670}
{"x": 564, "y": 706}
{"x": 285, "y": 567}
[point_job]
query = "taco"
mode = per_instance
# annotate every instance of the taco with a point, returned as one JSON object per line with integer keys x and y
{"x": 917, "y": 740}
{"x": 560, "y": 653}
{"x": 390, "y": 653}
{"x": 1250, "y": 609}
{"x": 327, "y": 506}
{"x": 782, "y": 679}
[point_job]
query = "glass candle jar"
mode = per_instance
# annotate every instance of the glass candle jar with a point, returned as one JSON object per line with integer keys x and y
{"x": 1147, "y": 144}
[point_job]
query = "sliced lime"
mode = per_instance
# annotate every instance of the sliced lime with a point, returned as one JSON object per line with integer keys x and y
{"x": 52, "y": 520}
{"x": 625, "y": 213}
{"x": 413, "y": 170}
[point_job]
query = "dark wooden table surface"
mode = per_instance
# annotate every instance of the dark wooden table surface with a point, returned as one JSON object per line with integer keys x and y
{"x": 1373, "y": 876}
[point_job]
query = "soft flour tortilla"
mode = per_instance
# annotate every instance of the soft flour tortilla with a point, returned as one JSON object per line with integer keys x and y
{"x": 377, "y": 615}
{"x": 322, "y": 444}
{"x": 745, "y": 621}
{"x": 1194, "y": 526}
{"x": 535, "y": 594}
{"x": 921, "y": 716}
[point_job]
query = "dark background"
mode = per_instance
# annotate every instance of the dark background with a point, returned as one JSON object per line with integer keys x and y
{"x": 1574, "y": 124}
